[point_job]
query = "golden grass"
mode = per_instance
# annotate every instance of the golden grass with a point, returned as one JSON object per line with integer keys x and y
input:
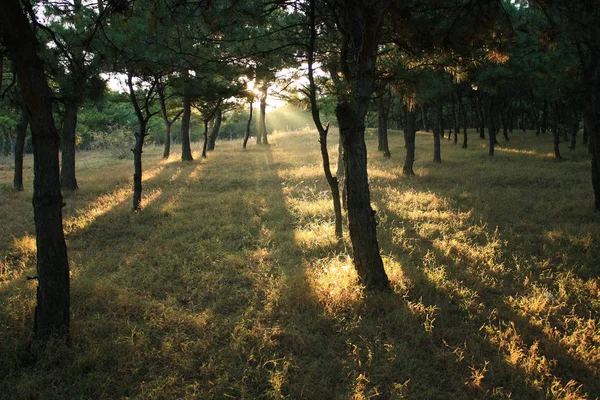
{"x": 230, "y": 283}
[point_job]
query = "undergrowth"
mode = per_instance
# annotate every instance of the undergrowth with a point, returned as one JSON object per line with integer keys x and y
{"x": 230, "y": 283}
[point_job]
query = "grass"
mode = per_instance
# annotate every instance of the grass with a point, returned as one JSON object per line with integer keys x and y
{"x": 230, "y": 284}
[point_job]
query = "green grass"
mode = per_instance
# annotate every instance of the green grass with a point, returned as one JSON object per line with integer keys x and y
{"x": 230, "y": 284}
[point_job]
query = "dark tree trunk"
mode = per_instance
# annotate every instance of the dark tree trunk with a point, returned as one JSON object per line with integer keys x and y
{"x": 424, "y": 118}
{"x": 544, "y": 123}
{"x": 556, "y": 128}
{"x": 205, "y": 144}
{"x": 68, "y": 181}
{"x": 410, "y": 132}
{"x": 214, "y": 133}
{"x": 21, "y": 132}
{"x": 362, "y": 24}
{"x": 480, "y": 113}
{"x": 186, "y": 147}
{"x": 52, "y": 309}
{"x": 137, "y": 166}
{"x": 331, "y": 180}
{"x": 504, "y": 126}
{"x": 455, "y": 119}
{"x": 383, "y": 110}
{"x": 463, "y": 114}
{"x": 574, "y": 130}
{"x": 261, "y": 137}
{"x": 247, "y": 134}
{"x": 491, "y": 124}
{"x": 585, "y": 139}
{"x": 438, "y": 129}
{"x": 167, "y": 150}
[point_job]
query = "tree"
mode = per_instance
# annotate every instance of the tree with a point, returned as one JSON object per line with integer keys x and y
{"x": 52, "y": 317}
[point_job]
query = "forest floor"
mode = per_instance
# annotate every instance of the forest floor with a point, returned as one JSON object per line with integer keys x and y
{"x": 230, "y": 283}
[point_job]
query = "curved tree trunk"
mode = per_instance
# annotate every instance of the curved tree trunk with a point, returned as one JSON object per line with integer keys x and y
{"x": 410, "y": 132}
{"x": 247, "y": 134}
{"x": 186, "y": 147}
{"x": 214, "y": 133}
{"x": 21, "y": 133}
{"x": 68, "y": 181}
{"x": 53, "y": 300}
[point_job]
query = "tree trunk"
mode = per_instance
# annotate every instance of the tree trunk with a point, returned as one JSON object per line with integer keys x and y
{"x": 361, "y": 217}
{"x": 544, "y": 123}
{"x": 491, "y": 124}
{"x": 186, "y": 147}
{"x": 438, "y": 127}
{"x": 214, "y": 133}
{"x": 424, "y": 118}
{"x": 556, "y": 128}
{"x": 205, "y": 144}
{"x": 480, "y": 112}
{"x": 247, "y": 134}
{"x": 410, "y": 132}
{"x": 137, "y": 166}
{"x": 52, "y": 316}
{"x": 262, "y": 125}
{"x": 463, "y": 115}
{"x": 68, "y": 181}
{"x": 383, "y": 111}
{"x": 363, "y": 21}
{"x": 167, "y": 150}
{"x": 21, "y": 132}
{"x": 455, "y": 119}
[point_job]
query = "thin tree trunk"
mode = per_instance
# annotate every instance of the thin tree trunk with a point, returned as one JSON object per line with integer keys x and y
{"x": 262, "y": 125}
{"x": 382, "y": 123}
{"x": 167, "y": 149}
{"x": 68, "y": 181}
{"x": 410, "y": 132}
{"x": 491, "y": 124}
{"x": 52, "y": 315}
{"x": 137, "y": 166}
{"x": 463, "y": 114}
{"x": 424, "y": 118}
{"x": 21, "y": 132}
{"x": 556, "y": 127}
{"x": 544, "y": 123}
{"x": 480, "y": 111}
{"x": 214, "y": 133}
{"x": 438, "y": 129}
{"x": 186, "y": 147}
{"x": 205, "y": 144}
{"x": 247, "y": 134}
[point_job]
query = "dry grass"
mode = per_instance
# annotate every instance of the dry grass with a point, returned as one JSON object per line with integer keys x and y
{"x": 230, "y": 284}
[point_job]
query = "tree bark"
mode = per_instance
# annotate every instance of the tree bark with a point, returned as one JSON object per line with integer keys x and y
{"x": 247, "y": 134}
{"x": 556, "y": 131}
{"x": 186, "y": 147}
{"x": 438, "y": 129}
{"x": 68, "y": 180}
{"x": 137, "y": 166}
{"x": 52, "y": 316}
{"x": 491, "y": 120}
{"x": 21, "y": 132}
{"x": 214, "y": 133}
{"x": 205, "y": 135}
{"x": 463, "y": 115}
{"x": 261, "y": 136}
{"x": 410, "y": 132}
{"x": 480, "y": 113}
{"x": 382, "y": 123}
{"x": 362, "y": 25}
